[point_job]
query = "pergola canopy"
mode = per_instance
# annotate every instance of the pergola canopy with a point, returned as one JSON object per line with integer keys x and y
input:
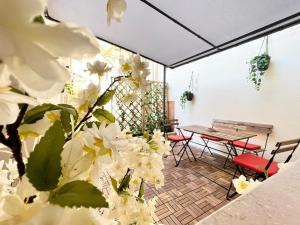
{"x": 176, "y": 32}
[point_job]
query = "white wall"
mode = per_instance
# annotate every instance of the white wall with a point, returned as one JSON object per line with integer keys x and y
{"x": 223, "y": 92}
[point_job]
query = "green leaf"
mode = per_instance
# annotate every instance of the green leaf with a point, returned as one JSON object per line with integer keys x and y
{"x": 104, "y": 116}
{"x": 107, "y": 96}
{"x": 142, "y": 190}
{"x": 124, "y": 184}
{"x": 43, "y": 167}
{"x": 76, "y": 194}
{"x": 66, "y": 121}
{"x": 38, "y": 19}
{"x": 147, "y": 135}
{"x": 114, "y": 183}
{"x": 38, "y": 112}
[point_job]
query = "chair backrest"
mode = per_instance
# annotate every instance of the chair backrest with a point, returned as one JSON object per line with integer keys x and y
{"x": 170, "y": 126}
{"x": 243, "y": 126}
{"x": 284, "y": 146}
{"x": 260, "y": 128}
{"x": 173, "y": 123}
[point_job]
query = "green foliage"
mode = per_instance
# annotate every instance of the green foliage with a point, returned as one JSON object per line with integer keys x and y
{"x": 258, "y": 66}
{"x": 142, "y": 190}
{"x": 124, "y": 183}
{"x": 147, "y": 135}
{"x": 79, "y": 194}
{"x": 186, "y": 95}
{"x": 107, "y": 96}
{"x": 38, "y": 19}
{"x": 44, "y": 168}
{"x": 104, "y": 116}
{"x": 114, "y": 183}
{"x": 39, "y": 111}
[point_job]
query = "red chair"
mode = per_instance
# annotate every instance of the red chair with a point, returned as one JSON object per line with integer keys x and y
{"x": 179, "y": 138}
{"x": 245, "y": 146}
{"x": 263, "y": 167}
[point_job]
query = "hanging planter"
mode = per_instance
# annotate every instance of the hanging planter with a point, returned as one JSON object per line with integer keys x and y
{"x": 187, "y": 95}
{"x": 258, "y": 66}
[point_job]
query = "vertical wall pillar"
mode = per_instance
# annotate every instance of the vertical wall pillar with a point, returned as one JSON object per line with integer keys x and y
{"x": 164, "y": 99}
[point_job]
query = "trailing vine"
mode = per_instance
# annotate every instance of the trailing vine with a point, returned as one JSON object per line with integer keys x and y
{"x": 258, "y": 66}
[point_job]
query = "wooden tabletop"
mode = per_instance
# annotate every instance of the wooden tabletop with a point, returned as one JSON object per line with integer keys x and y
{"x": 222, "y": 134}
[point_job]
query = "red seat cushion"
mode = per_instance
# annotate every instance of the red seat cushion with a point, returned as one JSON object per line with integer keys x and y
{"x": 210, "y": 137}
{"x": 175, "y": 137}
{"x": 255, "y": 163}
{"x": 241, "y": 144}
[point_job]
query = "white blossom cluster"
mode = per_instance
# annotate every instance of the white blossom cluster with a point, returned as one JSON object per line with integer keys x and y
{"x": 29, "y": 74}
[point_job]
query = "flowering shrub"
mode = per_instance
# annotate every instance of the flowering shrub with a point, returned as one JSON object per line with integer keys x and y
{"x": 75, "y": 145}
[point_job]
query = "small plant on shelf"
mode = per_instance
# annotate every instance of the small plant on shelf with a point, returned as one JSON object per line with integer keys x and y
{"x": 258, "y": 66}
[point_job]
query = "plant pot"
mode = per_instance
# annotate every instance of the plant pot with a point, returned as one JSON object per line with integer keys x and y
{"x": 189, "y": 96}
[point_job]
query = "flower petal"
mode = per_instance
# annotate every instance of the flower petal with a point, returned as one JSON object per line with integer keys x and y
{"x": 8, "y": 112}
{"x": 33, "y": 83}
{"x": 40, "y": 61}
{"x": 65, "y": 41}
{"x": 19, "y": 10}
{"x": 37, "y": 71}
{"x": 12, "y": 97}
{"x": 7, "y": 47}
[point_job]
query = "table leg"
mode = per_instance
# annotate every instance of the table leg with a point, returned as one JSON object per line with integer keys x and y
{"x": 184, "y": 148}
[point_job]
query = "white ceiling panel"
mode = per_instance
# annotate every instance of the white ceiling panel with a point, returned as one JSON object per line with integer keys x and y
{"x": 220, "y": 21}
{"x": 174, "y": 32}
{"x": 142, "y": 30}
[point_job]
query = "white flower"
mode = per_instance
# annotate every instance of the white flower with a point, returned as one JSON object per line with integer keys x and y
{"x": 30, "y": 49}
{"x": 11, "y": 165}
{"x": 138, "y": 72}
{"x": 243, "y": 186}
{"x": 87, "y": 97}
{"x": 9, "y": 100}
{"x": 128, "y": 210}
{"x": 115, "y": 10}
{"x": 283, "y": 166}
{"x": 98, "y": 68}
{"x": 129, "y": 98}
{"x": 39, "y": 127}
{"x": 16, "y": 211}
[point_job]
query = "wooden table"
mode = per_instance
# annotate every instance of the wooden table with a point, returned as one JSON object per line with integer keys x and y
{"x": 222, "y": 134}
{"x": 225, "y": 136}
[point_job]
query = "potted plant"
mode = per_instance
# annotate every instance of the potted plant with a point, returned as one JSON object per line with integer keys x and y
{"x": 187, "y": 95}
{"x": 258, "y": 66}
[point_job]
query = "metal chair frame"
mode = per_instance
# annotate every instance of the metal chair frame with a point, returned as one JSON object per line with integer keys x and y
{"x": 284, "y": 146}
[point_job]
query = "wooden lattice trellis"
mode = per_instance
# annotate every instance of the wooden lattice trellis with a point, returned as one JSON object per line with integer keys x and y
{"x": 130, "y": 116}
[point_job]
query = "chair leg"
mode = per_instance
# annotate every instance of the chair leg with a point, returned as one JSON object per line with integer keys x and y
{"x": 205, "y": 146}
{"x": 229, "y": 155}
{"x": 174, "y": 156}
{"x": 184, "y": 150}
{"x": 228, "y": 196}
{"x": 191, "y": 152}
{"x": 180, "y": 150}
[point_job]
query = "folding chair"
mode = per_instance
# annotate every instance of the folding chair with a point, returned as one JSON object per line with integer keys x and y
{"x": 179, "y": 138}
{"x": 206, "y": 138}
{"x": 262, "y": 166}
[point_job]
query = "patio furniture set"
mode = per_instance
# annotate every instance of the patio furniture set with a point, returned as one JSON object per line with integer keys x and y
{"x": 234, "y": 136}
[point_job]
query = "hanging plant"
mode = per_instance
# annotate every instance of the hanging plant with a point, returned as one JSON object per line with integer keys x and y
{"x": 187, "y": 95}
{"x": 258, "y": 66}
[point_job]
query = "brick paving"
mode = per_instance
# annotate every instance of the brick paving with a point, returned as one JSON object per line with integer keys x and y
{"x": 193, "y": 190}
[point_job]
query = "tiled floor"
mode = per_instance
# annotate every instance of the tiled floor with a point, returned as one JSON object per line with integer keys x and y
{"x": 193, "y": 190}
